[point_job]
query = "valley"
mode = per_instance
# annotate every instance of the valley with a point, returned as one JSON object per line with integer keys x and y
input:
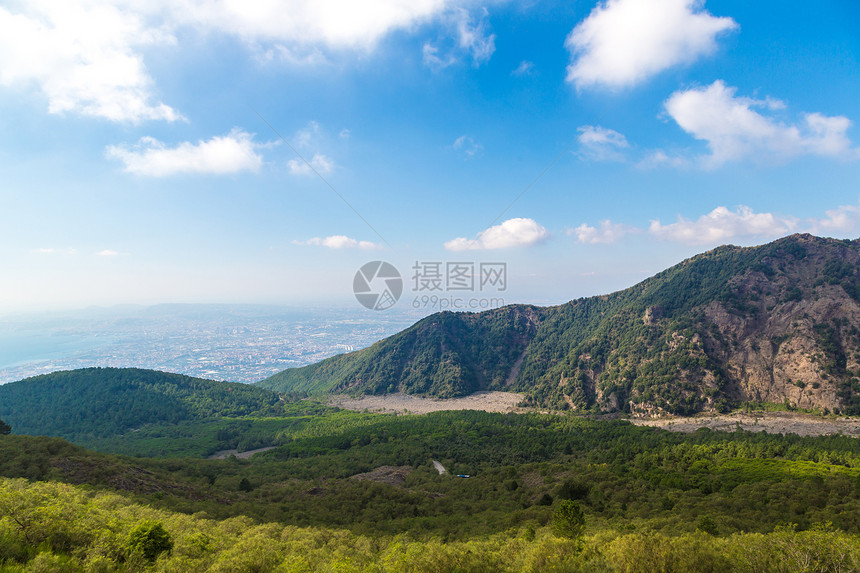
{"x": 677, "y": 419}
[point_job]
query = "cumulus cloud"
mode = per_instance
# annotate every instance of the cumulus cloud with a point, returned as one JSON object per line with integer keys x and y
{"x": 83, "y": 57}
{"x": 722, "y": 225}
{"x": 519, "y": 232}
{"x": 736, "y": 127}
{"x": 605, "y": 232}
{"x": 843, "y": 219}
{"x": 86, "y": 56}
{"x": 220, "y": 155}
{"x": 339, "y": 242}
{"x": 624, "y": 42}
{"x": 600, "y": 144}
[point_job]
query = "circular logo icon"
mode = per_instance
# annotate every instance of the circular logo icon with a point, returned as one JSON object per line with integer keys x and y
{"x": 377, "y": 285}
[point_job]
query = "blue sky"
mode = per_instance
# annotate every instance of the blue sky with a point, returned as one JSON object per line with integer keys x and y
{"x": 587, "y": 145}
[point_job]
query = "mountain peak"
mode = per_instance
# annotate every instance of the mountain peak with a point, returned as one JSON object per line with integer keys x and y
{"x": 778, "y": 322}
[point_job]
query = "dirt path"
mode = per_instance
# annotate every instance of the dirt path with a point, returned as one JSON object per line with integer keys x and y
{"x": 439, "y": 467}
{"x": 404, "y": 403}
{"x": 771, "y": 422}
{"x": 224, "y": 454}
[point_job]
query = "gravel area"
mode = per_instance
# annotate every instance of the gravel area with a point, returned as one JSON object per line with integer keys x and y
{"x": 400, "y": 403}
{"x": 771, "y": 422}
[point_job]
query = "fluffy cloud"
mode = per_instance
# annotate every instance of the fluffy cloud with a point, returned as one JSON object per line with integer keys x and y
{"x": 606, "y": 232}
{"x": 737, "y": 127}
{"x": 722, "y": 225}
{"x": 231, "y": 153}
{"x": 84, "y": 57}
{"x": 339, "y": 242}
{"x": 843, "y": 219}
{"x": 333, "y": 23}
{"x": 601, "y": 144}
{"x": 518, "y": 232}
{"x": 624, "y": 42}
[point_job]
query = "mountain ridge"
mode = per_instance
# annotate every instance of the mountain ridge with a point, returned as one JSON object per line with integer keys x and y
{"x": 704, "y": 334}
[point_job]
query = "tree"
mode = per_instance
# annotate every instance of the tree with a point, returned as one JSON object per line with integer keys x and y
{"x": 5, "y": 428}
{"x": 568, "y": 520}
{"x": 149, "y": 539}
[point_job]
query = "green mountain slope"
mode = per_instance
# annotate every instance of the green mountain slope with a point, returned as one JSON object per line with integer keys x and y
{"x": 446, "y": 354}
{"x": 774, "y": 323}
{"x": 99, "y": 402}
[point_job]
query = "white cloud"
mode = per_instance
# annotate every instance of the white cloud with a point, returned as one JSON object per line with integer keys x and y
{"x": 83, "y": 57}
{"x": 722, "y": 225}
{"x": 843, "y": 219}
{"x": 659, "y": 158}
{"x": 107, "y": 253}
{"x": 606, "y": 232}
{"x": 624, "y": 42}
{"x": 320, "y": 163}
{"x": 339, "y": 242}
{"x": 600, "y": 144}
{"x": 337, "y": 24}
{"x": 467, "y": 146}
{"x": 53, "y": 251}
{"x": 734, "y": 130}
{"x": 518, "y": 232}
{"x": 231, "y": 153}
{"x": 473, "y": 36}
{"x": 87, "y": 56}
{"x": 309, "y": 139}
{"x": 526, "y": 68}
{"x": 430, "y": 55}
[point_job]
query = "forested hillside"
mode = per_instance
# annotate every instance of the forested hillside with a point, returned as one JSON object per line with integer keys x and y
{"x": 778, "y": 323}
{"x": 100, "y": 402}
{"x": 358, "y": 492}
{"x": 446, "y": 354}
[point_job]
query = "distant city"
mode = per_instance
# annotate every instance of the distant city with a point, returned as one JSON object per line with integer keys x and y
{"x": 239, "y": 343}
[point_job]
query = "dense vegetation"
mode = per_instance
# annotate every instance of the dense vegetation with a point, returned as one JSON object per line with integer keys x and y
{"x": 55, "y": 527}
{"x": 100, "y": 402}
{"x": 662, "y": 345}
{"x": 709, "y": 501}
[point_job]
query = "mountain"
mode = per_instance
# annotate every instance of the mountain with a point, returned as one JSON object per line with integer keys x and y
{"x": 777, "y": 323}
{"x": 99, "y": 402}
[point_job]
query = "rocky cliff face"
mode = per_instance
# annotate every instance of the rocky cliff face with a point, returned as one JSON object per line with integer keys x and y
{"x": 776, "y": 323}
